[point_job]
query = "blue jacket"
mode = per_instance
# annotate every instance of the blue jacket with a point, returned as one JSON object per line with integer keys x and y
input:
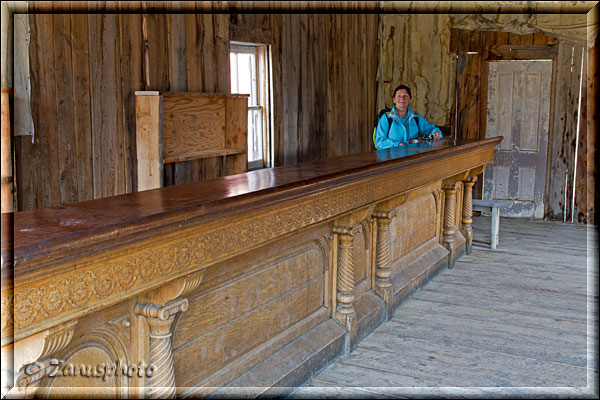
{"x": 387, "y": 136}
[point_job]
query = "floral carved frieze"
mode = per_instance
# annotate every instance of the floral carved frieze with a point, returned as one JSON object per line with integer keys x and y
{"x": 114, "y": 274}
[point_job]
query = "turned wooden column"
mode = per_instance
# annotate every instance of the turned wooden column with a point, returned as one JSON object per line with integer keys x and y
{"x": 383, "y": 260}
{"x": 160, "y": 318}
{"x": 345, "y": 312}
{"x": 449, "y": 220}
{"x": 161, "y": 384}
{"x": 31, "y": 373}
{"x": 467, "y": 214}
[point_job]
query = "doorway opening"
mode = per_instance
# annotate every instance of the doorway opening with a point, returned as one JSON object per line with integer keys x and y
{"x": 250, "y": 65}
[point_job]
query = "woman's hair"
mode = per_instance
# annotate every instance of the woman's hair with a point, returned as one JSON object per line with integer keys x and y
{"x": 402, "y": 87}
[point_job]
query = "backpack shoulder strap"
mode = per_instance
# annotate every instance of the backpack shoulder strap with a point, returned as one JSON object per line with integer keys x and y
{"x": 383, "y": 111}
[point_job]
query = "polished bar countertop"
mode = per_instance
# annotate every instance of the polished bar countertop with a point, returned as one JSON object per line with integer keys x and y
{"x": 38, "y": 233}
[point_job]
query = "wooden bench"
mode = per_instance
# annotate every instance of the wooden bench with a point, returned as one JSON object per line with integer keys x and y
{"x": 494, "y": 206}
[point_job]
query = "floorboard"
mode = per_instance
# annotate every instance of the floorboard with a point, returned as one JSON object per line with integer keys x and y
{"x": 520, "y": 320}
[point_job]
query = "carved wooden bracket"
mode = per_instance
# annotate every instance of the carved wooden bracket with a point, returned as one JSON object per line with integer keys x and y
{"x": 345, "y": 272}
{"x": 33, "y": 356}
{"x": 476, "y": 171}
{"x": 455, "y": 178}
{"x": 383, "y": 260}
{"x": 160, "y": 319}
{"x": 174, "y": 289}
{"x": 467, "y": 213}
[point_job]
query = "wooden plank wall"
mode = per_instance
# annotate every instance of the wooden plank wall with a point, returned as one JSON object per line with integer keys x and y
{"x": 324, "y": 90}
{"x": 564, "y": 138}
{"x": 84, "y": 144}
{"x": 587, "y": 198}
{"x": 84, "y": 148}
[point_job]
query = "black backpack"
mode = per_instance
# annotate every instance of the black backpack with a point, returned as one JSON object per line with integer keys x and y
{"x": 385, "y": 111}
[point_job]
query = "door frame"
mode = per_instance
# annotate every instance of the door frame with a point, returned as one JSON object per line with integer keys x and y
{"x": 512, "y": 52}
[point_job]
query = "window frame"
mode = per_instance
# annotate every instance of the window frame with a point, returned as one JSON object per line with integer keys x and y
{"x": 263, "y": 96}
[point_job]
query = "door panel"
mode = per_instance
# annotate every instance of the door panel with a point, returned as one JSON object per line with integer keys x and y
{"x": 501, "y": 182}
{"x": 518, "y": 108}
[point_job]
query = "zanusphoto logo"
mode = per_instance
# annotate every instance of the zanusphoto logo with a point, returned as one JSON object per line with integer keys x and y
{"x": 101, "y": 370}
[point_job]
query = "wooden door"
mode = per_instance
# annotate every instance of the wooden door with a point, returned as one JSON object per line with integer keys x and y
{"x": 518, "y": 108}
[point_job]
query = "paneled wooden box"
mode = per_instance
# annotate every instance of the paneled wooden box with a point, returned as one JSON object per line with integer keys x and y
{"x": 182, "y": 126}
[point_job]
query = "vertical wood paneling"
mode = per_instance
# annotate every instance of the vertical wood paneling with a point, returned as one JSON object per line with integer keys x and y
{"x": 501, "y": 37}
{"x": 321, "y": 93}
{"x": 106, "y": 97}
{"x": 582, "y": 204}
{"x": 278, "y": 82}
{"x": 27, "y": 165}
{"x": 216, "y": 67}
{"x": 221, "y": 30}
{"x": 468, "y": 93}
{"x": 66, "y": 145}
{"x": 336, "y": 143}
{"x": 44, "y": 108}
{"x": 514, "y": 38}
{"x": 193, "y": 52}
{"x": 175, "y": 173}
{"x": 207, "y": 65}
{"x": 158, "y": 52}
{"x": 6, "y": 167}
{"x": 288, "y": 135}
{"x": 590, "y": 195}
{"x": 177, "y": 52}
{"x": 305, "y": 74}
{"x": 131, "y": 65}
{"x": 563, "y": 133}
{"x": 373, "y": 29}
{"x": 192, "y": 170}
{"x": 295, "y": 93}
{"x": 352, "y": 88}
{"x": 81, "y": 107}
{"x": 209, "y": 78}
{"x": 342, "y": 94}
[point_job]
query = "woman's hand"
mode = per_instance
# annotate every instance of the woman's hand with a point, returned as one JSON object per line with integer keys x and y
{"x": 436, "y": 135}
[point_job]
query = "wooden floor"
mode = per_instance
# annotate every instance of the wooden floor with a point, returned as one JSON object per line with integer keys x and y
{"x": 507, "y": 322}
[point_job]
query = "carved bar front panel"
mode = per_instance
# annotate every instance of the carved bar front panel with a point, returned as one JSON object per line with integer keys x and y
{"x": 256, "y": 279}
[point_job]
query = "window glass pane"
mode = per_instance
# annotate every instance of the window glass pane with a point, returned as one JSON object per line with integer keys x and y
{"x": 255, "y": 137}
{"x": 234, "y": 72}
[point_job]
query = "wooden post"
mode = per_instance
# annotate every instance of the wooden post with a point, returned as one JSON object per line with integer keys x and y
{"x": 383, "y": 285}
{"x": 7, "y": 175}
{"x": 449, "y": 220}
{"x": 467, "y": 215}
{"x": 160, "y": 312}
{"x": 161, "y": 384}
{"x": 148, "y": 140}
{"x": 345, "y": 312}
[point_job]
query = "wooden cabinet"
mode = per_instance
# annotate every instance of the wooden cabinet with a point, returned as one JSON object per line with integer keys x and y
{"x": 182, "y": 126}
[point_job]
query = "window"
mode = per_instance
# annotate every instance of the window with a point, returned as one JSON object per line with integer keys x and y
{"x": 250, "y": 74}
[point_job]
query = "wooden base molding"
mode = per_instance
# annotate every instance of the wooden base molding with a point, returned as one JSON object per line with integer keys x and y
{"x": 242, "y": 286}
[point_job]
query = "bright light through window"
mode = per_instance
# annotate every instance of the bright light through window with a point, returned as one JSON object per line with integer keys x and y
{"x": 250, "y": 75}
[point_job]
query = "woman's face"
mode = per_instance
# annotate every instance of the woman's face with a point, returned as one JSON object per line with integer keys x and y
{"x": 401, "y": 99}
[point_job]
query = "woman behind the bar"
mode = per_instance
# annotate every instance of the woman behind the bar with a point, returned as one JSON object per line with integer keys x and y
{"x": 406, "y": 124}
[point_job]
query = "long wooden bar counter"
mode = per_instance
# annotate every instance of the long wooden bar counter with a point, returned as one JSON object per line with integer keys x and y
{"x": 251, "y": 280}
